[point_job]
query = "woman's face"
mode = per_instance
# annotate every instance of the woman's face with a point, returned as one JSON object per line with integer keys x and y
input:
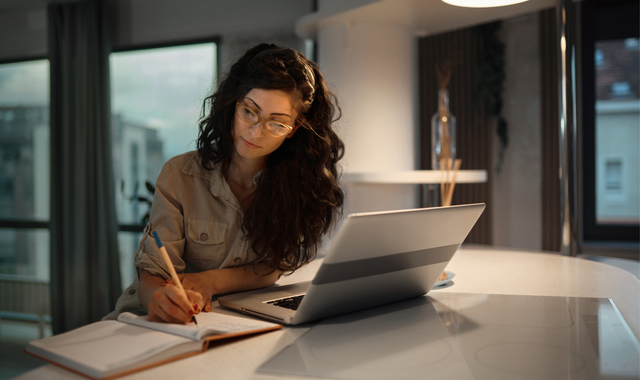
{"x": 253, "y": 141}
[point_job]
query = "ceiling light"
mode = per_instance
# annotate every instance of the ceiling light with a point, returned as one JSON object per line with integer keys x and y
{"x": 482, "y": 3}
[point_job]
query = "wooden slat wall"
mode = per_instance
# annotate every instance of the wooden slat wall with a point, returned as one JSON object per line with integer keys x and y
{"x": 474, "y": 133}
{"x": 550, "y": 129}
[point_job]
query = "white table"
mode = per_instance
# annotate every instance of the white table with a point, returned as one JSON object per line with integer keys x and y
{"x": 478, "y": 269}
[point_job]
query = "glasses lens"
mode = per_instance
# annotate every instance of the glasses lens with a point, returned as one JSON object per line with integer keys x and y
{"x": 271, "y": 127}
{"x": 276, "y": 129}
{"x": 246, "y": 114}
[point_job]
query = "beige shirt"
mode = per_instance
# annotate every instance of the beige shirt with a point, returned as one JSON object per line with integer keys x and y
{"x": 199, "y": 221}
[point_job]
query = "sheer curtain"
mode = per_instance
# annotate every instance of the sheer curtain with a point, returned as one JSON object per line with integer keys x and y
{"x": 85, "y": 277}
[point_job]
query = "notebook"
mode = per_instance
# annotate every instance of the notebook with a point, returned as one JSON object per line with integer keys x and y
{"x": 109, "y": 349}
{"x": 376, "y": 258}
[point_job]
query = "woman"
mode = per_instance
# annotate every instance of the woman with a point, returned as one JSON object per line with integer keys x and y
{"x": 256, "y": 197}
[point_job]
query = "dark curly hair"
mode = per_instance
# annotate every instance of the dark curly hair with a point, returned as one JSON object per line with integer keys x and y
{"x": 298, "y": 197}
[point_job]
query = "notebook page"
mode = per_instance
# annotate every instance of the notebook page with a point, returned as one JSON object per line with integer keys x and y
{"x": 228, "y": 324}
{"x": 102, "y": 347}
{"x": 208, "y": 324}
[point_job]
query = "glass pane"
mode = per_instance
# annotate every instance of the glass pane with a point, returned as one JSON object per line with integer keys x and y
{"x": 24, "y": 253}
{"x": 24, "y": 140}
{"x": 156, "y": 101}
{"x": 617, "y": 131}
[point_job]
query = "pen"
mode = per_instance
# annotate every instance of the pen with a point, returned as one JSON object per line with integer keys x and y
{"x": 172, "y": 270}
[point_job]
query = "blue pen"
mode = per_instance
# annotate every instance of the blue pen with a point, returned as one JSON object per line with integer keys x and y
{"x": 172, "y": 270}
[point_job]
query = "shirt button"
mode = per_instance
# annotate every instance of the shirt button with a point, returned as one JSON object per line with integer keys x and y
{"x": 132, "y": 291}
{"x": 204, "y": 236}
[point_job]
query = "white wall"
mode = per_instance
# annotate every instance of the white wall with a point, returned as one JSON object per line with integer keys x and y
{"x": 617, "y": 134}
{"x": 517, "y": 188}
{"x": 370, "y": 67}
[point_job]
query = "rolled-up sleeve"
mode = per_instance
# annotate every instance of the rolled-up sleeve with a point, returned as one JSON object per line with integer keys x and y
{"x": 167, "y": 219}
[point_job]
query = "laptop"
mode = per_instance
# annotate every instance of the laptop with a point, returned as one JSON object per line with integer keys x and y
{"x": 376, "y": 258}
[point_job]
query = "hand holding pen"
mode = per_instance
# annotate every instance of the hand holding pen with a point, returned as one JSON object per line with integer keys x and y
{"x": 181, "y": 307}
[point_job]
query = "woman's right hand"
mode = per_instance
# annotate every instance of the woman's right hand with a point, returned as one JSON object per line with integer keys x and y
{"x": 165, "y": 302}
{"x": 168, "y": 304}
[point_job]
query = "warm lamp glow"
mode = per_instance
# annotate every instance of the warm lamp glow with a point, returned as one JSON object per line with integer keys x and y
{"x": 482, "y": 3}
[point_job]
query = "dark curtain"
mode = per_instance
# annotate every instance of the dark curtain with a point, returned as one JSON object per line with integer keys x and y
{"x": 85, "y": 277}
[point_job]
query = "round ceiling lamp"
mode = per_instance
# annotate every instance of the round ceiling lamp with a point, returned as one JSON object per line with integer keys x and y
{"x": 482, "y": 3}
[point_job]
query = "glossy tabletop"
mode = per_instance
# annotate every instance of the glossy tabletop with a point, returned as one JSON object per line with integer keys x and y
{"x": 482, "y": 274}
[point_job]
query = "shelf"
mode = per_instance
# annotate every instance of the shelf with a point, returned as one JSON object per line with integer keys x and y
{"x": 415, "y": 177}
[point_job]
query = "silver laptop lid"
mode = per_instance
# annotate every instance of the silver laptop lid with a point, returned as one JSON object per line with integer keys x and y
{"x": 375, "y": 258}
{"x": 382, "y": 257}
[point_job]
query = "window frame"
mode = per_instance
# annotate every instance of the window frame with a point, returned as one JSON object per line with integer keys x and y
{"x": 600, "y": 20}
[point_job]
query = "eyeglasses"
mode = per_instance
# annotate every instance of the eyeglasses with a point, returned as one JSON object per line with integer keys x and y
{"x": 272, "y": 127}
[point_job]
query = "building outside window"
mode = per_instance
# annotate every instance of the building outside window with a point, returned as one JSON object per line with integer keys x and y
{"x": 610, "y": 126}
{"x": 617, "y": 124}
{"x": 24, "y": 170}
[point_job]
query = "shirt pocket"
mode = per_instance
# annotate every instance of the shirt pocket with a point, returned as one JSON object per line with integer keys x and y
{"x": 205, "y": 246}
{"x": 204, "y": 232}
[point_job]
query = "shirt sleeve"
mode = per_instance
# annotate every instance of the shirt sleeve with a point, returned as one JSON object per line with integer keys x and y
{"x": 167, "y": 219}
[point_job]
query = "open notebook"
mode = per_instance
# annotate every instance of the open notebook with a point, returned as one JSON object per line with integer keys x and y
{"x": 109, "y": 349}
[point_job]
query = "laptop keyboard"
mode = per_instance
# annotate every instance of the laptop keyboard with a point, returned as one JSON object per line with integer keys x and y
{"x": 289, "y": 302}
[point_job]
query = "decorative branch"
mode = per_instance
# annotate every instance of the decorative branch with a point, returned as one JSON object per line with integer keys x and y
{"x": 444, "y": 70}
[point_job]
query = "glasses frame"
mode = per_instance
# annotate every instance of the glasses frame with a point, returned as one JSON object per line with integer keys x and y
{"x": 262, "y": 121}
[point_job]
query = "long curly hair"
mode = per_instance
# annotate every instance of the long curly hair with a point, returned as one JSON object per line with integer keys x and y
{"x": 297, "y": 198}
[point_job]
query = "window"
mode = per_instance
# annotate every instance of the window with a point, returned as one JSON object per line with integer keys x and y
{"x": 24, "y": 169}
{"x": 156, "y": 100}
{"x": 611, "y": 121}
{"x": 613, "y": 175}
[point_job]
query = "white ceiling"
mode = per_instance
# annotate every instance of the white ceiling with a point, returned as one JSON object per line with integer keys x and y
{"x": 424, "y": 17}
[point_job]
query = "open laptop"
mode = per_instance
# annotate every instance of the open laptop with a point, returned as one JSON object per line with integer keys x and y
{"x": 376, "y": 258}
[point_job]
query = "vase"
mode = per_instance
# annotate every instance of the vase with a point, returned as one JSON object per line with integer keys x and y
{"x": 443, "y": 134}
